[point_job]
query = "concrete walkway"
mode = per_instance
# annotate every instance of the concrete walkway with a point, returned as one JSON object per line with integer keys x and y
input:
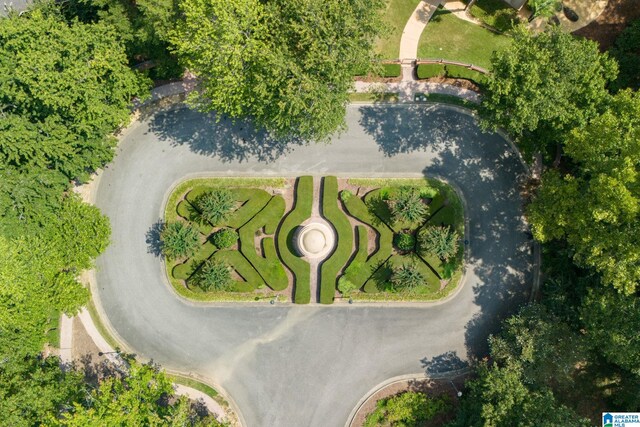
{"x": 414, "y": 27}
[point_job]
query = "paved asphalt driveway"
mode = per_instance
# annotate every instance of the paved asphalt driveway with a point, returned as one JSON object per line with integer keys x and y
{"x": 293, "y": 366}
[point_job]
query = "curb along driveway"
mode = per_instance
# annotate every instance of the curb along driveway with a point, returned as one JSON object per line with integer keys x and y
{"x": 288, "y": 365}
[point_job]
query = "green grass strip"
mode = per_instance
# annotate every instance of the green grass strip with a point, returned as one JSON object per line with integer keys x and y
{"x": 269, "y": 267}
{"x": 331, "y": 267}
{"x": 300, "y": 212}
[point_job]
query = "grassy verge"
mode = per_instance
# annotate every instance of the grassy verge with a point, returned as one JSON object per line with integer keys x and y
{"x": 373, "y": 97}
{"x": 300, "y": 212}
{"x": 425, "y": 71}
{"x": 454, "y": 39}
{"x": 190, "y": 382}
{"x": 395, "y": 17}
{"x": 446, "y": 99}
{"x": 330, "y": 268}
{"x": 97, "y": 321}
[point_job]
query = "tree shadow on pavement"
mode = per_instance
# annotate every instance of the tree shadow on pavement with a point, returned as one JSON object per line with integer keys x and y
{"x": 152, "y": 238}
{"x": 230, "y": 141}
{"x": 485, "y": 170}
{"x": 443, "y": 363}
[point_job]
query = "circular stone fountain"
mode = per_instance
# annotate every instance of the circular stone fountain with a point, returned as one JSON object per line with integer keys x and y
{"x": 315, "y": 240}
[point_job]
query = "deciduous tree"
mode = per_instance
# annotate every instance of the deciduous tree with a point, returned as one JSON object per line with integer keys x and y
{"x": 287, "y": 65}
{"x": 544, "y": 85}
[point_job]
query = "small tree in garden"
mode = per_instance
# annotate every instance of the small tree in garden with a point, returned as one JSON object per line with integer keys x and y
{"x": 404, "y": 241}
{"x": 179, "y": 240}
{"x": 407, "y": 278}
{"x": 214, "y": 275}
{"x": 439, "y": 241}
{"x": 346, "y": 286}
{"x": 407, "y": 205}
{"x": 215, "y": 206}
{"x": 224, "y": 238}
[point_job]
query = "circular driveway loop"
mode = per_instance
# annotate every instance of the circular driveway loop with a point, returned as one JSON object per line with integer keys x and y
{"x": 308, "y": 365}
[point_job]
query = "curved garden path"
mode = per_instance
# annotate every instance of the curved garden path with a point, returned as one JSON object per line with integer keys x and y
{"x": 289, "y": 365}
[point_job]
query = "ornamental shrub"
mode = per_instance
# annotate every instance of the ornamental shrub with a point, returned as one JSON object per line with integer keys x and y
{"x": 407, "y": 205}
{"x": 179, "y": 240}
{"x": 439, "y": 241}
{"x": 346, "y": 286}
{"x": 215, "y": 206}
{"x": 345, "y": 195}
{"x": 214, "y": 275}
{"x": 407, "y": 278}
{"x": 404, "y": 241}
{"x": 407, "y": 409}
{"x": 224, "y": 238}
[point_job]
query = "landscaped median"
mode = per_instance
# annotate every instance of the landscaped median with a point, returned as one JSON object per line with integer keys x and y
{"x": 234, "y": 239}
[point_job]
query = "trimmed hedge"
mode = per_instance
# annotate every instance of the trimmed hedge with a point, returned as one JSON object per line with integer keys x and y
{"x": 380, "y": 280}
{"x": 459, "y": 72}
{"x": 269, "y": 267}
{"x": 331, "y": 267}
{"x": 391, "y": 70}
{"x": 188, "y": 212}
{"x": 185, "y": 270}
{"x": 251, "y": 200}
{"x": 357, "y": 268}
{"x": 300, "y": 212}
{"x": 239, "y": 263}
{"x": 357, "y": 208}
{"x": 425, "y": 71}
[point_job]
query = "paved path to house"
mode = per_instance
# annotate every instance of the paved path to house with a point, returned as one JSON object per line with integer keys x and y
{"x": 287, "y": 365}
{"x": 414, "y": 27}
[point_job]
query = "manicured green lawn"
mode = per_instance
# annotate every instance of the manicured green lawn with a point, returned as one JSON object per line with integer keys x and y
{"x": 299, "y": 267}
{"x": 453, "y": 39}
{"x": 396, "y": 16}
{"x": 330, "y": 268}
{"x": 445, "y": 207}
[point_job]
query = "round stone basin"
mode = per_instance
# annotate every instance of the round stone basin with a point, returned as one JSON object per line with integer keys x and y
{"x": 315, "y": 240}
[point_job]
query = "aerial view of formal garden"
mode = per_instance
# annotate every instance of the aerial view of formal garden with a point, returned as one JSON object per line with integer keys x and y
{"x": 235, "y": 238}
{"x": 331, "y": 213}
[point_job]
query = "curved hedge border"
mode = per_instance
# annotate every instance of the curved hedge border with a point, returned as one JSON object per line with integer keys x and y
{"x": 300, "y": 212}
{"x": 357, "y": 208}
{"x": 268, "y": 267}
{"x": 331, "y": 267}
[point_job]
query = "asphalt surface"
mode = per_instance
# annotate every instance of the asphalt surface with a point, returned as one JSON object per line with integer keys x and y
{"x": 309, "y": 365}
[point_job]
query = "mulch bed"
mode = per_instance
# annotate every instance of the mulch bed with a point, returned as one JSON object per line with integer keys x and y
{"x": 615, "y": 18}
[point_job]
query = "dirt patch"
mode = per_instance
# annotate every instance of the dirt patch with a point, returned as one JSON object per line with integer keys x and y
{"x": 461, "y": 83}
{"x": 431, "y": 387}
{"x": 608, "y": 26}
{"x": 375, "y": 79}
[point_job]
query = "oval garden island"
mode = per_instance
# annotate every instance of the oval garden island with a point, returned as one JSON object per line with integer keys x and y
{"x": 246, "y": 239}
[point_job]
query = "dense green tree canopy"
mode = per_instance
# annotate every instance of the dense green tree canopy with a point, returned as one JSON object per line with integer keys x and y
{"x": 64, "y": 89}
{"x": 33, "y": 388}
{"x": 627, "y": 52}
{"x": 544, "y": 85}
{"x": 596, "y": 208}
{"x": 611, "y": 322}
{"x": 288, "y": 65}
